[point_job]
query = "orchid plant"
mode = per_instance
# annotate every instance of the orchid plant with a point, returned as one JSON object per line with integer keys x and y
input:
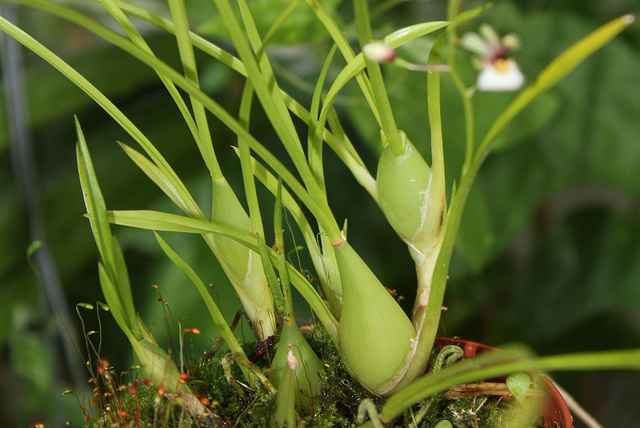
{"x": 384, "y": 349}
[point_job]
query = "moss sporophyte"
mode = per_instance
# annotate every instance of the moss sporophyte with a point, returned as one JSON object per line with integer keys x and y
{"x": 376, "y": 352}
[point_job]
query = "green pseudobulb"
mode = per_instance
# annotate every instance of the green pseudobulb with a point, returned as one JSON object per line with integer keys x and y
{"x": 309, "y": 365}
{"x": 403, "y": 184}
{"x": 242, "y": 266}
{"x": 375, "y": 333}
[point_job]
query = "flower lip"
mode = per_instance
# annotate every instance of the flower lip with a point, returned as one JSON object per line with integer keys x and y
{"x": 500, "y": 75}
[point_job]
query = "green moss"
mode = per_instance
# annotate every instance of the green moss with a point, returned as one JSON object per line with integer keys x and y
{"x": 336, "y": 405}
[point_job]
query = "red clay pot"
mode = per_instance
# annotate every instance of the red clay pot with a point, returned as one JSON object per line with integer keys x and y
{"x": 555, "y": 412}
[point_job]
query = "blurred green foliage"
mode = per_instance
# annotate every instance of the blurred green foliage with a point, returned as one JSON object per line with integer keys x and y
{"x": 549, "y": 249}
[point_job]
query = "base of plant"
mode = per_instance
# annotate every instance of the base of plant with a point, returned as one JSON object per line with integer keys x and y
{"x": 140, "y": 405}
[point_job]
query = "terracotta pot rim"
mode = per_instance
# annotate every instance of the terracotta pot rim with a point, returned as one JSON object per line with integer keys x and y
{"x": 555, "y": 413}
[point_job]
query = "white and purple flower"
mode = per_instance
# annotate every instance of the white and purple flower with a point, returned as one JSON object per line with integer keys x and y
{"x": 498, "y": 72}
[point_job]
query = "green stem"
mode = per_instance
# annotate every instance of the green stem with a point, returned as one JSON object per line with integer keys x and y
{"x": 387, "y": 121}
{"x": 465, "y": 97}
{"x": 346, "y": 51}
{"x": 214, "y": 311}
{"x": 289, "y": 315}
{"x": 248, "y": 178}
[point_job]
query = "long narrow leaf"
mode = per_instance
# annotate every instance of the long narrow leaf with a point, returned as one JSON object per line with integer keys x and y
{"x": 244, "y": 116}
{"x": 289, "y": 202}
{"x": 159, "y": 221}
{"x": 115, "y": 283}
{"x": 217, "y": 317}
{"x": 157, "y": 176}
{"x": 112, "y": 298}
{"x": 122, "y": 20}
{"x": 122, "y": 283}
{"x": 378, "y": 88}
{"x": 101, "y": 100}
{"x": 320, "y": 210}
{"x": 263, "y": 80}
{"x": 187, "y": 56}
{"x": 272, "y": 277}
{"x": 93, "y": 199}
{"x": 314, "y": 134}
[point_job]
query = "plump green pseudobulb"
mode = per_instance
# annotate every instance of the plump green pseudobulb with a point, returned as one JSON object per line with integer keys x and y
{"x": 403, "y": 188}
{"x": 227, "y": 209}
{"x": 375, "y": 334}
{"x": 158, "y": 367}
{"x": 242, "y": 266}
{"x": 284, "y": 414}
{"x": 309, "y": 365}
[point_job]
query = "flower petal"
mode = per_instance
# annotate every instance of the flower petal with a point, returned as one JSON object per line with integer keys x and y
{"x": 475, "y": 43}
{"x": 502, "y": 75}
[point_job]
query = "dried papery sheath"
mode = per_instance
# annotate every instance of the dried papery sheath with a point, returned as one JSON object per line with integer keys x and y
{"x": 292, "y": 361}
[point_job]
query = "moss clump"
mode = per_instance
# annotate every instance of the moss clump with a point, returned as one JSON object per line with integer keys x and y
{"x": 335, "y": 406}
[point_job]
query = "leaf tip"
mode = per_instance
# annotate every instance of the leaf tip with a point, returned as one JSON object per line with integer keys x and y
{"x": 628, "y": 19}
{"x": 33, "y": 248}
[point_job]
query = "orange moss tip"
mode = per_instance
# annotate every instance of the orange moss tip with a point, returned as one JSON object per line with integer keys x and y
{"x": 38, "y": 425}
{"x": 186, "y": 376}
{"x": 161, "y": 391}
{"x": 193, "y": 330}
{"x": 101, "y": 365}
{"x": 156, "y": 287}
{"x": 205, "y": 401}
{"x": 393, "y": 292}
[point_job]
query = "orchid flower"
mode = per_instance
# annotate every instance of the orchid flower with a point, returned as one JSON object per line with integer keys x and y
{"x": 498, "y": 71}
